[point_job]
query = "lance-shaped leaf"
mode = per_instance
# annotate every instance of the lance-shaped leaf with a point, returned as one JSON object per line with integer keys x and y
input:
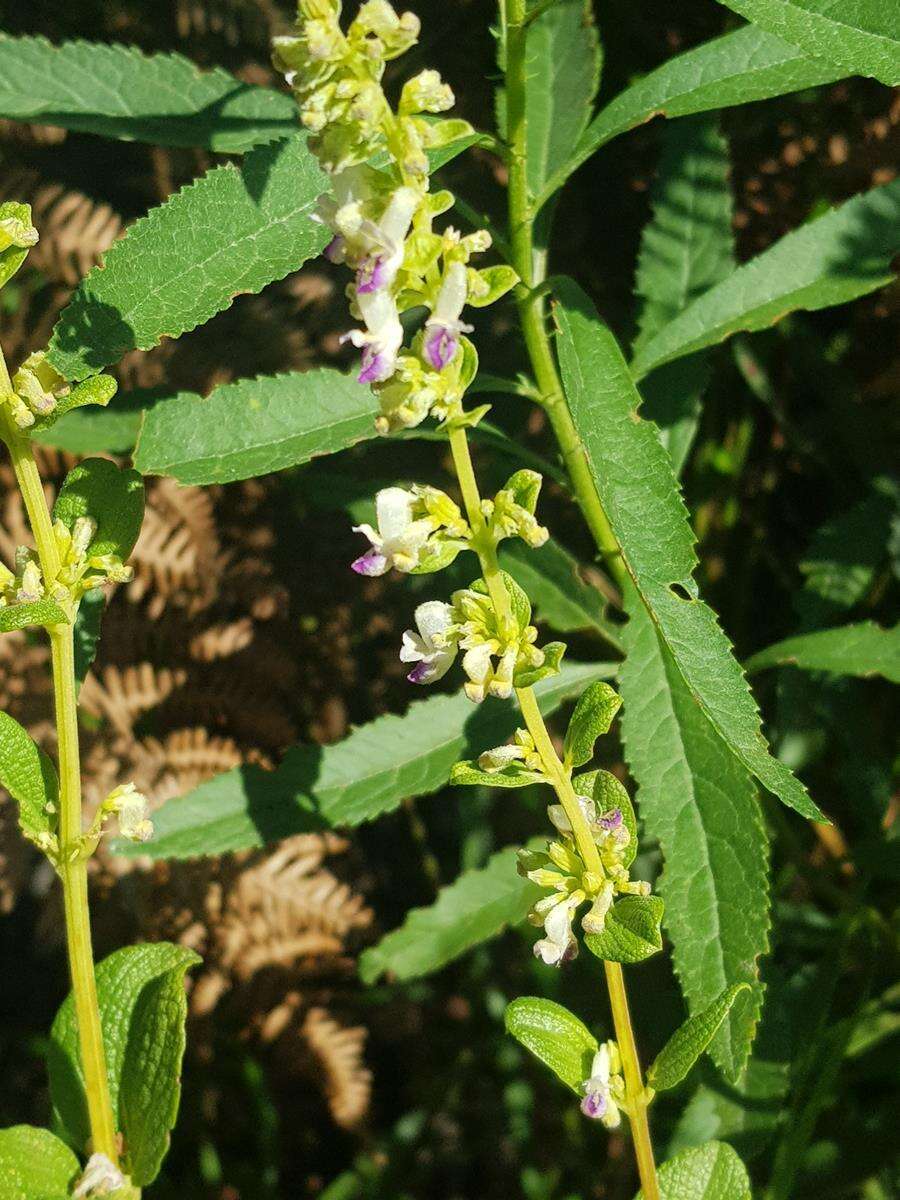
{"x": 555, "y": 1036}
{"x": 686, "y": 1045}
{"x": 140, "y": 990}
{"x": 844, "y": 254}
{"x": 369, "y": 773}
{"x": 550, "y": 576}
{"x": 477, "y": 906}
{"x": 632, "y": 931}
{"x": 29, "y": 777}
{"x": 513, "y": 775}
{"x": 862, "y": 37}
{"x": 862, "y": 649}
{"x": 697, "y": 800}
{"x": 35, "y": 1165}
{"x": 38, "y": 612}
{"x": 119, "y": 92}
{"x": 593, "y": 715}
{"x": 686, "y": 248}
{"x": 633, "y": 477}
{"x": 111, "y": 496}
{"x": 234, "y": 230}
{"x": 710, "y": 1172}
{"x": 746, "y": 65}
{"x": 254, "y": 426}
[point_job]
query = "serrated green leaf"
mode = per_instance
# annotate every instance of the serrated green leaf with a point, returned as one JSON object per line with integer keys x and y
{"x": 555, "y": 1036}
{"x": 686, "y": 1045}
{"x": 686, "y": 248}
{"x": 254, "y": 426}
{"x": 369, "y": 773}
{"x": 634, "y": 480}
{"x": 112, "y": 430}
{"x": 13, "y": 256}
{"x": 87, "y": 632}
{"x": 562, "y": 71}
{"x": 39, "y": 612}
{"x": 701, "y": 805}
{"x": 29, "y": 777}
{"x": 232, "y": 231}
{"x": 632, "y": 931}
{"x": 710, "y": 1172}
{"x": 129, "y": 1023}
{"x": 117, "y": 91}
{"x": 477, "y": 906}
{"x": 738, "y": 68}
{"x": 468, "y": 774}
{"x": 112, "y": 496}
{"x": 550, "y": 576}
{"x": 35, "y": 1165}
{"x": 593, "y": 715}
{"x": 835, "y": 258}
{"x": 863, "y": 649}
{"x": 862, "y": 37}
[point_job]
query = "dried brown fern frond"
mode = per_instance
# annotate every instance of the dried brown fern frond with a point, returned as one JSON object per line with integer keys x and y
{"x": 339, "y": 1052}
{"x": 75, "y": 230}
{"x": 25, "y": 689}
{"x": 284, "y": 909}
{"x": 222, "y": 640}
{"x": 177, "y": 559}
{"x": 121, "y": 695}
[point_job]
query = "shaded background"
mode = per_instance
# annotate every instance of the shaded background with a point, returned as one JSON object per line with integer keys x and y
{"x": 243, "y": 632}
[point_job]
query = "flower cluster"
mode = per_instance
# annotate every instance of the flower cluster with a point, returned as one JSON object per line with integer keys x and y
{"x": 562, "y": 869}
{"x": 419, "y": 530}
{"x": 80, "y": 570}
{"x": 37, "y": 389}
{"x": 381, "y": 217}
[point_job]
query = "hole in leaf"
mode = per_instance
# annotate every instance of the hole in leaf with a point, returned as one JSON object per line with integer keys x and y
{"x": 679, "y": 590}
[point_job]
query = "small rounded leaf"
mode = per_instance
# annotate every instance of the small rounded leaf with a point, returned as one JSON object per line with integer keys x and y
{"x": 111, "y": 496}
{"x": 592, "y": 717}
{"x": 709, "y": 1172}
{"x": 35, "y": 1165}
{"x": 29, "y": 777}
{"x": 39, "y": 612}
{"x": 554, "y": 1035}
{"x": 632, "y": 931}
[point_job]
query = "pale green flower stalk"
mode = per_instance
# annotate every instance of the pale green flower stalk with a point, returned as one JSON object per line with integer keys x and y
{"x": 381, "y": 213}
{"x": 44, "y": 588}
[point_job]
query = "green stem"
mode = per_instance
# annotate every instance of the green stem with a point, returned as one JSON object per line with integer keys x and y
{"x": 531, "y": 268}
{"x": 72, "y": 864}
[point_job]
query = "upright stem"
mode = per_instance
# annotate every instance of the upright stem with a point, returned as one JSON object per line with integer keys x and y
{"x": 533, "y": 319}
{"x": 562, "y": 785}
{"x": 72, "y": 864}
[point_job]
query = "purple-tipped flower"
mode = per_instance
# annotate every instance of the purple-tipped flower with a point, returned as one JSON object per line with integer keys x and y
{"x": 594, "y": 1105}
{"x": 440, "y": 347}
{"x": 443, "y": 327}
{"x": 604, "y": 1089}
{"x": 381, "y": 339}
{"x": 376, "y": 367}
{"x": 372, "y": 274}
{"x": 398, "y": 539}
{"x": 611, "y": 820}
{"x": 426, "y": 646}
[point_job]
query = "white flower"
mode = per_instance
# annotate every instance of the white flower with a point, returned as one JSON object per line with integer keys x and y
{"x": 383, "y": 242}
{"x": 100, "y": 1178}
{"x": 560, "y": 944}
{"x": 443, "y": 327}
{"x": 382, "y": 337}
{"x": 398, "y": 539}
{"x": 604, "y": 1087}
{"x": 428, "y": 647}
{"x": 484, "y": 678}
{"x": 130, "y": 806}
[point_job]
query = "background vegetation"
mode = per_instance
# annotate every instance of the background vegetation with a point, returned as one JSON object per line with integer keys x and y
{"x": 243, "y": 634}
